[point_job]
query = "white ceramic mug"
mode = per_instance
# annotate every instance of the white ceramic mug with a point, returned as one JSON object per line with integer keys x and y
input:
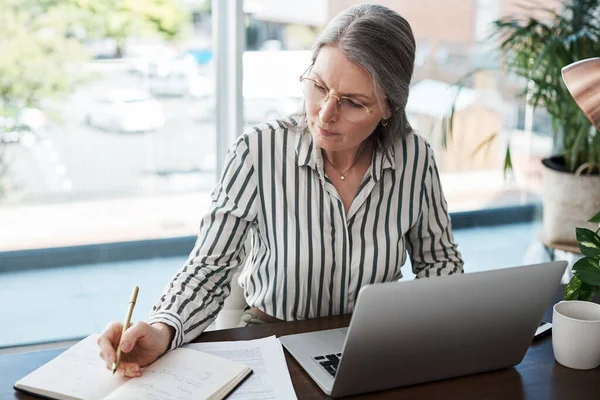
{"x": 576, "y": 334}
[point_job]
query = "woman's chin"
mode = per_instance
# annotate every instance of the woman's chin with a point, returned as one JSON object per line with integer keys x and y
{"x": 326, "y": 143}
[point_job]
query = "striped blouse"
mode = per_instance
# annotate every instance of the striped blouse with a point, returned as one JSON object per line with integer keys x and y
{"x": 308, "y": 258}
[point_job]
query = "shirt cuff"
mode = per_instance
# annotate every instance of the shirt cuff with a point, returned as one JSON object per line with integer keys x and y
{"x": 174, "y": 321}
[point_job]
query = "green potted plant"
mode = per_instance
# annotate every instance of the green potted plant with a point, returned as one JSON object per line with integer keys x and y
{"x": 537, "y": 49}
{"x": 576, "y": 319}
{"x": 585, "y": 282}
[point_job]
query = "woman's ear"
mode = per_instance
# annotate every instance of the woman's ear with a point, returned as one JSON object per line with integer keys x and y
{"x": 387, "y": 114}
{"x": 387, "y": 110}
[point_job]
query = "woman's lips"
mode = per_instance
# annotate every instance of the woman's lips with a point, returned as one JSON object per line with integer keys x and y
{"x": 325, "y": 133}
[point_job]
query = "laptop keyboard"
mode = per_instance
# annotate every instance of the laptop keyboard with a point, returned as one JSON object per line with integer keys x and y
{"x": 329, "y": 362}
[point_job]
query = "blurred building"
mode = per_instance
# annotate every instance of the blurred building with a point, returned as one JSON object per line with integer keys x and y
{"x": 306, "y": 12}
{"x": 453, "y": 36}
{"x": 478, "y": 114}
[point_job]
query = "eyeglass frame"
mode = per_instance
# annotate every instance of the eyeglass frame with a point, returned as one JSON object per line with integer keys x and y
{"x": 329, "y": 94}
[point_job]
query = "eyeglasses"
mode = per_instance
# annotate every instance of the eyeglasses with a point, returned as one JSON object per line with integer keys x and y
{"x": 349, "y": 109}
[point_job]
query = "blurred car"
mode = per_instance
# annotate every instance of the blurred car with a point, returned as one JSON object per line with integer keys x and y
{"x": 102, "y": 49}
{"x": 179, "y": 77}
{"x": 126, "y": 111}
{"x": 22, "y": 128}
{"x": 139, "y": 57}
{"x": 180, "y": 84}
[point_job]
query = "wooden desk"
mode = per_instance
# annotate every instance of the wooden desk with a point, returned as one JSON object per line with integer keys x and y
{"x": 538, "y": 376}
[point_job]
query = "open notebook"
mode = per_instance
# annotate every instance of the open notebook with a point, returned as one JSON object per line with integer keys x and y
{"x": 79, "y": 373}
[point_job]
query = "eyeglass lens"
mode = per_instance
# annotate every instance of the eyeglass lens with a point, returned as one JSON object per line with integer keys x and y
{"x": 318, "y": 95}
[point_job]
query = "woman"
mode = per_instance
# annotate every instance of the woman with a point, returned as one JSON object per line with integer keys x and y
{"x": 331, "y": 199}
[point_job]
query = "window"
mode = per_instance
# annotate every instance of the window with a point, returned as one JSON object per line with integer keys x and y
{"x": 129, "y": 152}
{"x": 277, "y": 56}
{"x": 122, "y": 141}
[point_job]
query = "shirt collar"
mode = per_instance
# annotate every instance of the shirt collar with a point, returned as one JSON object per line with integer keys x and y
{"x": 308, "y": 155}
{"x": 305, "y": 150}
{"x": 382, "y": 161}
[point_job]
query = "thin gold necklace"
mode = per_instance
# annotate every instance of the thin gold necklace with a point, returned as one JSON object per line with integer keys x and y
{"x": 343, "y": 173}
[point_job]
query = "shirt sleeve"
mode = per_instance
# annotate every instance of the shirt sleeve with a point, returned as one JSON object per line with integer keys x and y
{"x": 196, "y": 293}
{"x": 430, "y": 242}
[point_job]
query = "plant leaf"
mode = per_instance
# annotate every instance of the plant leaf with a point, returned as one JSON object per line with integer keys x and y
{"x": 572, "y": 289}
{"x": 485, "y": 144}
{"x": 588, "y": 270}
{"x": 589, "y": 242}
{"x": 577, "y": 290}
{"x": 508, "y": 167}
{"x": 448, "y": 119}
{"x": 587, "y": 292}
{"x": 595, "y": 218}
{"x": 536, "y": 46}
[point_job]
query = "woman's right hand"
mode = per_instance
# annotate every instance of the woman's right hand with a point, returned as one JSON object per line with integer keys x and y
{"x": 141, "y": 345}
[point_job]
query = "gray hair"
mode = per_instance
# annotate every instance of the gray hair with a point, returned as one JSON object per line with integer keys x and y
{"x": 381, "y": 42}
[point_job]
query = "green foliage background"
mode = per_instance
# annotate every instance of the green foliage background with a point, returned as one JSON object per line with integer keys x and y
{"x": 42, "y": 50}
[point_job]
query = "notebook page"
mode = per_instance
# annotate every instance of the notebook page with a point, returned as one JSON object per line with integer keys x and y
{"x": 79, "y": 372}
{"x": 181, "y": 374}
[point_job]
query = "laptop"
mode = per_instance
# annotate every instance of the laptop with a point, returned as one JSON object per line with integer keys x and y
{"x": 405, "y": 333}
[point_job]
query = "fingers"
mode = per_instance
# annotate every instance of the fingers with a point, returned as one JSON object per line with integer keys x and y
{"x": 110, "y": 338}
{"x": 136, "y": 332}
{"x": 108, "y": 341}
{"x": 128, "y": 369}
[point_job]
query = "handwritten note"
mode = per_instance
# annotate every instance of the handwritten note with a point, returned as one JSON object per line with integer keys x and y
{"x": 184, "y": 375}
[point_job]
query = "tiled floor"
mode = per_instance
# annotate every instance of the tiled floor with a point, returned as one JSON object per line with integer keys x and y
{"x": 65, "y": 303}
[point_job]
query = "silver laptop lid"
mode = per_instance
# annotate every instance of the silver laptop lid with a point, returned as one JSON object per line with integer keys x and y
{"x": 404, "y": 333}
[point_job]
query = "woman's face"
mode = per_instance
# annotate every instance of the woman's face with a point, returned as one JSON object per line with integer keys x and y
{"x": 340, "y": 77}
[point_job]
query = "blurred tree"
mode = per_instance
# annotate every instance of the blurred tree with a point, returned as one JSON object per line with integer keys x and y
{"x": 205, "y": 7}
{"x": 120, "y": 19}
{"x": 41, "y": 51}
{"x": 37, "y": 55}
{"x": 38, "y": 59}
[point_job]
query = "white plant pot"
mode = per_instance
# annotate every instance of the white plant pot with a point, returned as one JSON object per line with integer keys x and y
{"x": 569, "y": 202}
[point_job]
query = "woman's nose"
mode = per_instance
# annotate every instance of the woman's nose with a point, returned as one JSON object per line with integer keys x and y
{"x": 329, "y": 109}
